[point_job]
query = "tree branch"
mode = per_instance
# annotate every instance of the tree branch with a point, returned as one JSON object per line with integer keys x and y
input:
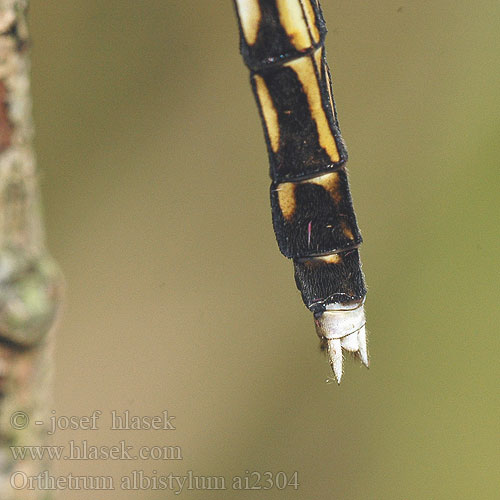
{"x": 30, "y": 283}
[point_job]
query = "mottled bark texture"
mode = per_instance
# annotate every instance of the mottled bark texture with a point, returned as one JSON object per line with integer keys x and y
{"x": 30, "y": 283}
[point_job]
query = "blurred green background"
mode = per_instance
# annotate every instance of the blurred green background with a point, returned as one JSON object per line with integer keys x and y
{"x": 155, "y": 187}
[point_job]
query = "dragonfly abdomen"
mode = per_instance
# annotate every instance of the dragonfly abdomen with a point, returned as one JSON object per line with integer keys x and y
{"x": 282, "y": 43}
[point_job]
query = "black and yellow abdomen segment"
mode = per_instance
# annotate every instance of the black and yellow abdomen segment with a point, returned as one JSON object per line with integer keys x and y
{"x": 298, "y": 115}
{"x": 314, "y": 216}
{"x": 276, "y": 31}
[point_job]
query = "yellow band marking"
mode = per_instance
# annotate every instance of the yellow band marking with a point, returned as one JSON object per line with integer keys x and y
{"x": 304, "y": 68}
{"x": 269, "y": 112}
{"x": 327, "y": 259}
{"x": 250, "y": 16}
{"x": 292, "y": 20}
{"x": 330, "y": 182}
{"x": 286, "y": 199}
{"x": 329, "y": 87}
{"x": 347, "y": 230}
{"x": 311, "y": 19}
{"x": 318, "y": 58}
{"x": 333, "y": 258}
{"x": 286, "y": 193}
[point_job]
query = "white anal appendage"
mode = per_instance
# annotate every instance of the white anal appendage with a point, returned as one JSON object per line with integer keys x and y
{"x": 343, "y": 327}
